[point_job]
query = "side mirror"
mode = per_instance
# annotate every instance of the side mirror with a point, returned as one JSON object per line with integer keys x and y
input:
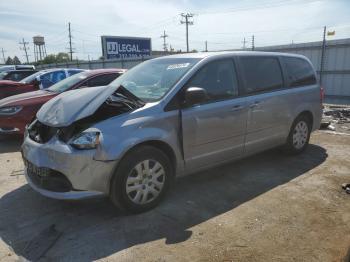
{"x": 195, "y": 96}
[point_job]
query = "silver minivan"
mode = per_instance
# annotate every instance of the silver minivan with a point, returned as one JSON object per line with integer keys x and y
{"x": 168, "y": 117}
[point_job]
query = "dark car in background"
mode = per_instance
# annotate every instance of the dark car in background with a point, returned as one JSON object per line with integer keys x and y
{"x": 16, "y": 75}
{"x": 40, "y": 80}
{"x": 17, "y": 111}
{"x": 16, "y": 67}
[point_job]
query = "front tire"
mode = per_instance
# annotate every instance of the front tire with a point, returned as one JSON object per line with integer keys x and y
{"x": 299, "y": 135}
{"x": 142, "y": 179}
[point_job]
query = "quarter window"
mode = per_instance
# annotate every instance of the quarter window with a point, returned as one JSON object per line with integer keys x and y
{"x": 261, "y": 74}
{"x": 300, "y": 72}
{"x": 218, "y": 79}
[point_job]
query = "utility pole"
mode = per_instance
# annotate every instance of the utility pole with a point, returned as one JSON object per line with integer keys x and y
{"x": 24, "y": 48}
{"x": 323, "y": 51}
{"x": 187, "y": 22}
{"x": 3, "y": 55}
{"x": 70, "y": 42}
{"x": 244, "y": 42}
{"x": 206, "y": 46}
{"x": 253, "y": 43}
{"x": 165, "y": 45}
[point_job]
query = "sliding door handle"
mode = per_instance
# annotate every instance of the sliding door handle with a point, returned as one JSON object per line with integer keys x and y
{"x": 255, "y": 104}
{"x": 237, "y": 108}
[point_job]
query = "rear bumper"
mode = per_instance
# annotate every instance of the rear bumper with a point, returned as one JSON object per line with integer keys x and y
{"x": 71, "y": 195}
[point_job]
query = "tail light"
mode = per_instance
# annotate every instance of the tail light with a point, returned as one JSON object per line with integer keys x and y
{"x": 322, "y": 94}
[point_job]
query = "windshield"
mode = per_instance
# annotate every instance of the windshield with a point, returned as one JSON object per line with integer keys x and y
{"x": 3, "y": 74}
{"x": 67, "y": 83}
{"x": 30, "y": 78}
{"x": 152, "y": 79}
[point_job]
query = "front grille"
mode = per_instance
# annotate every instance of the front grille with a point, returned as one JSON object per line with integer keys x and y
{"x": 41, "y": 133}
{"x": 48, "y": 179}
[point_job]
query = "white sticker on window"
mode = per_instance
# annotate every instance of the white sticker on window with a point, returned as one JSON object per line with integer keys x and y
{"x": 176, "y": 66}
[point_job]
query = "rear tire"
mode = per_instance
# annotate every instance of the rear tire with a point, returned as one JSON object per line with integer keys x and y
{"x": 142, "y": 179}
{"x": 299, "y": 135}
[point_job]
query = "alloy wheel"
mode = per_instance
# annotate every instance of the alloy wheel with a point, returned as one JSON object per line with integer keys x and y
{"x": 145, "y": 182}
{"x": 300, "y": 134}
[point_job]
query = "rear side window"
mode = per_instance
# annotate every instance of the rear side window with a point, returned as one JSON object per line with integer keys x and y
{"x": 101, "y": 80}
{"x": 218, "y": 79}
{"x": 300, "y": 72}
{"x": 261, "y": 74}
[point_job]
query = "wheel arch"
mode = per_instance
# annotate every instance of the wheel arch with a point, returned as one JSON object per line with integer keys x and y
{"x": 158, "y": 144}
{"x": 308, "y": 114}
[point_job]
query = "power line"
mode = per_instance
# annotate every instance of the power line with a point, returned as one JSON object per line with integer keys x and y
{"x": 187, "y": 22}
{"x": 25, "y": 48}
{"x": 3, "y": 55}
{"x": 165, "y": 45}
{"x": 244, "y": 42}
{"x": 323, "y": 53}
{"x": 70, "y": 42}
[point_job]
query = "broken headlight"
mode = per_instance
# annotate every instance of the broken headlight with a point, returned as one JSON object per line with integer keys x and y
{"x": 86, "y": 140}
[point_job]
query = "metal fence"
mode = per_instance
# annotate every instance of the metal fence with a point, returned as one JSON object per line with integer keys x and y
{"x": 335, "y": 75}
{"x": 126, "y": 63}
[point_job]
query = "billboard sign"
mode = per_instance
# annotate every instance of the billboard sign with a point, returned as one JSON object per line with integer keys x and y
{"x": 114, "y": 47}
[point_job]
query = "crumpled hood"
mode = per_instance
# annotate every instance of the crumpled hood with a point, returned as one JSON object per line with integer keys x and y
{"x": 73, "y": 105}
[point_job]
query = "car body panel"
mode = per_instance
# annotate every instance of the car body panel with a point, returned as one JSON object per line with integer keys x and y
{"x": 202, "y": 146}
{"x": 10, "y": 88}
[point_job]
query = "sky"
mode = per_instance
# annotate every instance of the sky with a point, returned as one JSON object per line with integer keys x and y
{"x": 223, "y": 24}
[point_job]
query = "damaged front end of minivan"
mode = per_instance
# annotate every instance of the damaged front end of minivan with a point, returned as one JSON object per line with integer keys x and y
{"x": 65, "y": 149}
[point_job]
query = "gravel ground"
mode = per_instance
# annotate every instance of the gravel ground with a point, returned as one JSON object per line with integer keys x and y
{"x": 269, "y": 207}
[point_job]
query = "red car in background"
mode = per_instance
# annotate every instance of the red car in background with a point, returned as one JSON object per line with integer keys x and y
{"x": 17, "y": 111}
{"x": 40, "y": 80}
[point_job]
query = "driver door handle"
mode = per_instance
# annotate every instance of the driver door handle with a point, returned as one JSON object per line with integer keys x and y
{"x": 255, "y": 104}
{"x": 236, "y": 108}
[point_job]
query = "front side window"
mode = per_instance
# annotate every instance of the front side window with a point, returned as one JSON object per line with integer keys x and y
{"x": 300, "y": 72}
{"x": 261, "y": 74}
{"x": 51, "y": 78}
{"x": 15, "y": 76}
{"x": 152, "y": 79}
{"x": 218, "y": 79}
